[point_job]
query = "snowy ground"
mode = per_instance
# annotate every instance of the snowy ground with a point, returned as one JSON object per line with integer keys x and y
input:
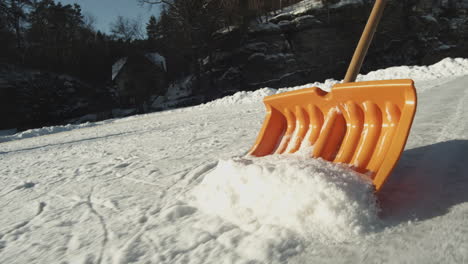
{"x": 152, "y": 189}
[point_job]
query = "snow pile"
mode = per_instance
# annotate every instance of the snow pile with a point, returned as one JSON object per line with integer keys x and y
{"x": 311, "y": 197}
{"x": 242, "y": 97}
{"x": 447, "y": 67}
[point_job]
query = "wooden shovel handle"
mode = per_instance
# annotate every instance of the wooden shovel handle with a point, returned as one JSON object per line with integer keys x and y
{"x": 365, "y": 41}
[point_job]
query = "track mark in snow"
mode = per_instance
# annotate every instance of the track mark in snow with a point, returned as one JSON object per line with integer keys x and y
{"x": 42, "y": 205}
{"x": 102, "y": 221}
{"x": 121, "y": 166}
{"x": 198, "y": 172}
{"x": 124, "y": 254}
{"x": 25, "y": 185}
{"x": 452, "y": 127}
{"x": 142, "y": 181}
{"x": 151, "y": 243}
{"x": 23, "y": 224}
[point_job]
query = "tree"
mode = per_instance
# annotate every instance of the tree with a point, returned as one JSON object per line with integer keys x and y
{"x": 14, "y": 13}
{"x": 190, "y": 19}
{"x": 89, "y": 21}
{"x": 152, "y": 28}
{"x": 54, "y": 32}
{"x": 126, "y": 29}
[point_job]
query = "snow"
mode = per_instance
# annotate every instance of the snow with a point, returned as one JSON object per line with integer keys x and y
{"x": 162, "y": 187}
{"x": 456, "y": 23}
{"x": 445, "y": 47}
{"x": 157, "y": 59}
{"x": 181, "y": 88}
{"x": 44, "y": 131}
{"x": 303, "y": 6}
{"x": 314, "y": 198}
{"x": 226, "y": 30}
{"x": 346, "y": 2}
{"x": 178, "y": 92}
{"x": 445, "y": 68}
{"x": 430, "y": 18}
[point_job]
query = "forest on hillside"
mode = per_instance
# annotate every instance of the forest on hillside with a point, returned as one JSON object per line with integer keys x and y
{"x": 53, "y": 39}
{"x": 47, "y": 35}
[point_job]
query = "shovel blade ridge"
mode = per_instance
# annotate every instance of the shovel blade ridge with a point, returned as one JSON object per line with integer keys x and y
{"x": 362, "y": 124}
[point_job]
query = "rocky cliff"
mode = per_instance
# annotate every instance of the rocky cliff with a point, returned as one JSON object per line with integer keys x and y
{"x": 312, "y": 44}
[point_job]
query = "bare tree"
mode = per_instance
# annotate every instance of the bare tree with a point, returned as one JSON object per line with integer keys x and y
{"x": 126, "y": 29}
{"x": 89, "y": 21}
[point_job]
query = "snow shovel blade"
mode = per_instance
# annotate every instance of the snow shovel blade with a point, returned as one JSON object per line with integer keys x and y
{"x": 363, "y": 124}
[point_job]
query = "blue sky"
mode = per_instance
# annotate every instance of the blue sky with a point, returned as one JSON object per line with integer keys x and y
{"x": 105, "y": 11}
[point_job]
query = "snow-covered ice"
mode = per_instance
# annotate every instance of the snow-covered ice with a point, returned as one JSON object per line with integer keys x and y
{"x": 177, "y": 187}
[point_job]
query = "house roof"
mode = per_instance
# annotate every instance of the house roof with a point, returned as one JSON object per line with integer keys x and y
{"x": 117, "y": 66}
{"x": 153, "y": 57}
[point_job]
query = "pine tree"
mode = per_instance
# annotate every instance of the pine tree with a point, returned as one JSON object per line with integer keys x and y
{"x": 55, "y": 32}
{"x": 151, "y": 28}
{"x": 13, "y": 12}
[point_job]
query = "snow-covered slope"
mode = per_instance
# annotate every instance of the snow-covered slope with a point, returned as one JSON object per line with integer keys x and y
{"x": 176, "y": 187}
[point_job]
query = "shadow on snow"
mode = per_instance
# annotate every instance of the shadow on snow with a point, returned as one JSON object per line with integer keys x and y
{"x": 427, "y": 183}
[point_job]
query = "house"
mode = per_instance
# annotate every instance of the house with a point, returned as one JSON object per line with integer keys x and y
{"x": 139, "y": 76}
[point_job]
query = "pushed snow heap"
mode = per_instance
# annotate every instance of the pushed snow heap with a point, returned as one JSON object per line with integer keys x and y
{"x": 312, "y": 197}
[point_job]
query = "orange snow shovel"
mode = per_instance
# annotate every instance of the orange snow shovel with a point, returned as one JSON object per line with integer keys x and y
{"x": 363, "y": 124}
